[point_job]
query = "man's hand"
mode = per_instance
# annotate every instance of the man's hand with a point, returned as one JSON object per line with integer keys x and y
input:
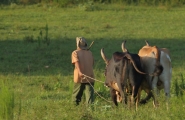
{"x": 79, "y": 71}
{"x": 80, "y": 74}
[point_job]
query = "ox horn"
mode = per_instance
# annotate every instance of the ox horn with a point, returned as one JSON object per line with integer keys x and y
{"x": 123, "y": 47}
{"x": 147, "y": 44}
{"x": 129, "y": 57}
{"x": 103, "y": 56}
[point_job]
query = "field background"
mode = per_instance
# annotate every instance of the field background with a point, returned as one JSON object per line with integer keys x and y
{"x": 39, "y": 71}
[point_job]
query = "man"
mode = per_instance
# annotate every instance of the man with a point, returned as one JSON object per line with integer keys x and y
{"x": 83, "y": 61}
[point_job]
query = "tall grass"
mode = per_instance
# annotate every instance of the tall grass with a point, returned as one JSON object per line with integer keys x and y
{"x": 180, "y": 87}
{"x": 6, "y": 102}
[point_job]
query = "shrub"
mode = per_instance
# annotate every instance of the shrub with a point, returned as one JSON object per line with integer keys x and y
{"x": 28, "y": 39}
{"x": 26, "y": 2}
{"x": 66, "y": 3}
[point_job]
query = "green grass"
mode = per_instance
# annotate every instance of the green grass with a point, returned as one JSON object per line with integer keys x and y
{"x": 6, "y": 102}
{"x": 41, "y": 77}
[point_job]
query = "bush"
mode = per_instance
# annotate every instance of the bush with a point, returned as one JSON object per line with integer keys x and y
{"x": 65, "y": 3}
{"x": 27, "y": 2}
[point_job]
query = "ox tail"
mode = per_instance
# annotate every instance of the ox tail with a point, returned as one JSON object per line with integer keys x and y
{"x": 133, "y": 63}
{"x": 158, "y": 67}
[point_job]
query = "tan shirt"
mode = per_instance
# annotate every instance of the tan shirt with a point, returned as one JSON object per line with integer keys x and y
{"x": 86, "y": 61}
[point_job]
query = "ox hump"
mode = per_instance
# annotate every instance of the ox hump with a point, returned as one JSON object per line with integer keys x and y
{"x": 146, "y": 51}
{"x": 163, "y": 54}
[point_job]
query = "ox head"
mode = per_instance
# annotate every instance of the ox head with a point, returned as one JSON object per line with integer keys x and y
{"x": 114, "y": 67}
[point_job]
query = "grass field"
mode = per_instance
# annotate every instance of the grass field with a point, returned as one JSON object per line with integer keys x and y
{"x": 41, "y": 75}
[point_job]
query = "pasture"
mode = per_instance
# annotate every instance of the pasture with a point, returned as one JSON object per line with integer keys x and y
{"x": 36, "y": 66}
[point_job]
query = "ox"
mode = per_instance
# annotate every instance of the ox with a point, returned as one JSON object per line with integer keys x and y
{"x": 123, "y": 76}
{"x": 156, "y": 60}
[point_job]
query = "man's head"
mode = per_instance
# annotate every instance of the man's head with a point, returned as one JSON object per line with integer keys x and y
{"x": 81, "y": 43}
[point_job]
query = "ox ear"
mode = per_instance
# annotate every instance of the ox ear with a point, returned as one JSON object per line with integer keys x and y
{"x": 104, "y": 57}
{"x": 147, "y": 44}
{"x": 123, "y": 46}
{"x": 117, "y": 56}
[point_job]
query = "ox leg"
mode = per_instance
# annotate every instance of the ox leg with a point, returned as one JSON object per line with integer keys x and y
{"x": 118, "y": 96}
{"x": 167, "y": 91}
{"x": 122, "y": 91}
{"x": 138, "y": 96}
{"x": 113, "y": 96}
{"x": 155, "y": 91}
{"x": 133, "y": 96}
{"x": 149, "y": 95}
{"x": 134, "y": 99}
{"x": 165, "y": 77}
{"x": 144, "y": 86}
{"x": 123, "y": 94}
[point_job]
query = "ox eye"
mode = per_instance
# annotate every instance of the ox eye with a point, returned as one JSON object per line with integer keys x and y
{"x": 114, "y": 74}
{"x": 117, "y": 69}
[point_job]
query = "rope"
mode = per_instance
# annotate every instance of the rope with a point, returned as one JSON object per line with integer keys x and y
{"x": 92, "y": 78}
{"x": 94, "y": 89}
{"x": 182, "y": 89}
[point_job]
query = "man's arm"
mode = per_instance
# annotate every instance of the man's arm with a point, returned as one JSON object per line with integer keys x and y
{"x": 78, "y": 68}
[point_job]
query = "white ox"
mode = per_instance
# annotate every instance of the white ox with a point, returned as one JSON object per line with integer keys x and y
{"x": 156, "y": 60}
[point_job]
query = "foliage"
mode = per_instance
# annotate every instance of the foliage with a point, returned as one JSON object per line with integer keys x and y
{"x": 46, "y": 38}
{"x": 41, "y": 39}
{"x": 28, "y": 38}
{"x": 66, "y": 3}
{"x": 27, "y": 2}
{"x": 180, "y": 87}
{"x": 89, "y": 6}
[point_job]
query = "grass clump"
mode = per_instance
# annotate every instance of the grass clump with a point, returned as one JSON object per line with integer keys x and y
{"x": 6, "y": 103}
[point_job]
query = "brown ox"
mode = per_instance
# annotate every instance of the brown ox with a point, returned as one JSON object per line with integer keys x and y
{"x": 155, "y": 60}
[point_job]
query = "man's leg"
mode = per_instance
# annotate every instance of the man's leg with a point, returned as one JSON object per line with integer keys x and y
{"x": 89, "y": 93}
{"x": 77, "y": 93}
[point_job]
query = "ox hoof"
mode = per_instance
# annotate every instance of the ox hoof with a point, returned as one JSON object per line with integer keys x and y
{"x": 156, "y": 104}
{"x": 143, "y": 102}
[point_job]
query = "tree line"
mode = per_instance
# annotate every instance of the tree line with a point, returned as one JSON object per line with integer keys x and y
{"x": 65, "y": 3}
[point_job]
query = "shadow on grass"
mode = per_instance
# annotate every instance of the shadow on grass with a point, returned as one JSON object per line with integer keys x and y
{"x": 28, "y": 58}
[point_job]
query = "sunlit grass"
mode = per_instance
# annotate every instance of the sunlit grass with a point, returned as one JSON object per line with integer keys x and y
{"x": 6, "y": 102}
